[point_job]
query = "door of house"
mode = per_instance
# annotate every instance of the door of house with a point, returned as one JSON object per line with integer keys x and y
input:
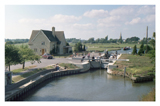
{"x": 42, "y": 51}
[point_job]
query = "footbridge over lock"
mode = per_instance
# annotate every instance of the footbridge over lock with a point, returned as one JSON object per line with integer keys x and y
{"x": 98, "y": 62}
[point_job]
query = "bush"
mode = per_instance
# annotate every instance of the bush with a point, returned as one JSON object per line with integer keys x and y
{"x": 70, "y": 51}
{"x": 147, "y": 48}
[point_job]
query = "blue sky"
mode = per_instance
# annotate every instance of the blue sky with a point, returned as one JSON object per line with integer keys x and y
{"x": 80, "y": 21}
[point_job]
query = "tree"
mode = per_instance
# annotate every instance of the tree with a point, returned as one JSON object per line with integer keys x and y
{"x": 132, "y": 39}
{"x": 152, "y": 52}
{"x": 134, "y": 50}
{"x": 9, "y": 42}
{"x": 106, "y": 38}
{"x": 27, "y": 54}
{"x": 120, "y": 38}
{"x": 97, "y": 40}
{"x": 84, "y": 48}
{"x": 152, "y": 42}
{"x": 78, "y": 47}
{"x": 91, "y": 40}
{"x": 67, "y": 44}
{"x": 11, "y": 55}
{"x": 141, "y": 50}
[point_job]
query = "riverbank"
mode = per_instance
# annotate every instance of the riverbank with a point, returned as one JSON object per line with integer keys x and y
{"x": 103, "y": 46}
{"x": 150, "y": 96}
{"x": 138, "y": 68}
{"x": 22, "y": 87}
{"x": 25, "y": 84}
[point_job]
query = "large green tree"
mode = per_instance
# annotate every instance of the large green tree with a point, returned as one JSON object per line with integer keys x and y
{"x": 134, "y": 50}
{"x": 141, "y": 50}
{"x": 78, "y": 47}
{"x": 27, "y": 54}
{"x": 12, "y": 55}
{"x": 152, "y": 52}
{"x": 120, "y": 38}
{"x": 106, "y": 38}
{"x": 91, "y": 40}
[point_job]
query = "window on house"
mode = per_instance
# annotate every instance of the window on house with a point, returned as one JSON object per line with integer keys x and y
{"x": 43, "y": 43}
{"x": 35, "y": 49}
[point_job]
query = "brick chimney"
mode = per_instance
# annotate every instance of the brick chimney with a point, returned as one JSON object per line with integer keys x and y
{"x": 53, "y": 31}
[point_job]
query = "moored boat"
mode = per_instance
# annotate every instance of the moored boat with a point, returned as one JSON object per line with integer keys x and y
{"x": 126, "y": 48}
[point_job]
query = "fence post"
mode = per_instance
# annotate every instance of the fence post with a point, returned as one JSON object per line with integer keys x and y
{"x": 124, "y": 71}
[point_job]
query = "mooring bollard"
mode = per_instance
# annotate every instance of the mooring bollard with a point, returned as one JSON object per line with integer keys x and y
{"x": 124, "y": 71}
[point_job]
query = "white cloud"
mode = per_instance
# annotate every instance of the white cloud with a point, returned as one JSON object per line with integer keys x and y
{"x": 25, "y": 20}
{"x": 125, "y": 10}
{"x": 83, "y": 26}
{"x": 149, "y": 18}
{"x": 110, "y": 21}
{"x": 147, "y": 10}
{"x": 59, "y": 18}
{"x": 134, "y": 21}
{"x": 96, "y": 13}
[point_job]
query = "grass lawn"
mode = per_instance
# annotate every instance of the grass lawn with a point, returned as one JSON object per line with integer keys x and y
{"x": 25, "y": 75}
{"x": 103, "y": 46}
{"x": 68, "y": 65}
{"x": 137, "y": 65}
{"x": 20, "y": 70}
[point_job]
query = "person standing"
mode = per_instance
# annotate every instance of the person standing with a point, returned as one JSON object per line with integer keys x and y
{"x": 88, "y": 55}
{"x": 57, "y": 67}
{"x": 82, "y": 58}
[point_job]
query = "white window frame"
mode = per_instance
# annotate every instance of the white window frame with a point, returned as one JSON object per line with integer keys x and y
{"x": 35, "y": 49}
{"x": 43, "y": 43}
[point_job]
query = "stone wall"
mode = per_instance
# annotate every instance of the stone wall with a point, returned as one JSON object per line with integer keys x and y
{"x": 27, "y": 79}
{"x": 25, "y": 88}
{"x": 8, "y": 78}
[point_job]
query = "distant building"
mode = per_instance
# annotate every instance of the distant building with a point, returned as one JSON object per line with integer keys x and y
{"x": 43, "y": 41}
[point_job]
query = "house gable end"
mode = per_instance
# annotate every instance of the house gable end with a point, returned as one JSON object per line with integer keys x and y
{"x": 33, "y": 35}
{"x": 60, "y": 36}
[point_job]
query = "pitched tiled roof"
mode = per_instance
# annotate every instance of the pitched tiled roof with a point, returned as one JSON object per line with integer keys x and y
{"x": 34, "y": 33}
{"x": 50, "y": 36}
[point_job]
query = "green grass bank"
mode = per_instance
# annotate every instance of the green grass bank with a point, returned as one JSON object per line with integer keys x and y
{"x": 139, "y": 66}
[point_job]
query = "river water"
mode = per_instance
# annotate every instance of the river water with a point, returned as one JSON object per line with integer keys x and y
{"x": 123, "y": 51}
{"x": 94, "y": 85}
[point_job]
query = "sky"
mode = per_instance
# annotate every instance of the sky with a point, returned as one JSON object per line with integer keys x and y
{"x": 80, "y": 21}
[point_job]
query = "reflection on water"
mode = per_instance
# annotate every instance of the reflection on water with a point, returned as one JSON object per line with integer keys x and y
{"x": 95, "y": 85}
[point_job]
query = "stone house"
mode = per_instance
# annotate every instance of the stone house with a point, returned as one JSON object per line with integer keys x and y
{"x": 44, "y": 41}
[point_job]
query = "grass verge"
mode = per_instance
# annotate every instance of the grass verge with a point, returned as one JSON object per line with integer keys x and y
{"x": 25, "y": 75}
{"x": 68, "y": 65}
{"x": 20, "y": 70}
{"x": 137, "y": 65}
